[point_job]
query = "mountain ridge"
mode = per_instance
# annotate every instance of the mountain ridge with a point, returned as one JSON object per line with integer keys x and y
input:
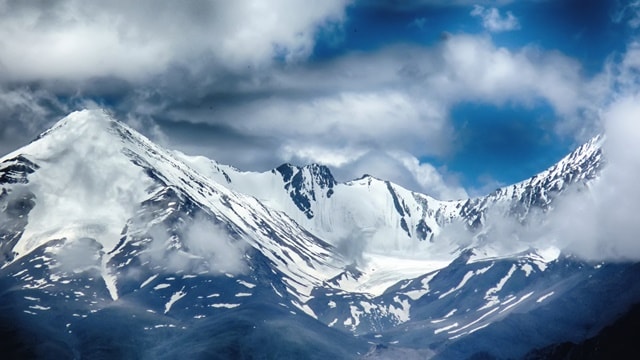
{"x": 101, "y": 226}
{"x": 326, "y": 209}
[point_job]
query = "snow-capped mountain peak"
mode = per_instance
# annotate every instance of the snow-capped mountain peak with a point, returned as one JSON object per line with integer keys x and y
{"x": 304, "y": 182}
{"x": 84, "y": 184}
{"x": 94, "y": 177}
{"x": 100, "y": 225}
{"x": 389, "y": 219}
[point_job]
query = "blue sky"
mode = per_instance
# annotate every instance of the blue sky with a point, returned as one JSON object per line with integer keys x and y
{"x": 506, "y": 143}
{"x": 449, "y": 98}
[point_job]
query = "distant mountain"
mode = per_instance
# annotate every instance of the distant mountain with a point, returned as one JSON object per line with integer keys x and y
{"x": 112, "y": 247}
{"x": 394, "y": 219}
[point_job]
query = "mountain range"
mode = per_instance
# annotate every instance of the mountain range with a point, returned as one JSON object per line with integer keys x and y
{"x": 114, "y": 247}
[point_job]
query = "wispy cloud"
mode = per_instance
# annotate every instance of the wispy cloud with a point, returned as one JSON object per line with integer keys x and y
{"x": 215, "y": 245}
{"x": 203, "y": 246}
{"x": 419, "y": 23}
{"x": 22, "y": 113}
{"x": 629, "y": 13}
{"x": 413, "y": 5}
{"x": 493, "y": 21}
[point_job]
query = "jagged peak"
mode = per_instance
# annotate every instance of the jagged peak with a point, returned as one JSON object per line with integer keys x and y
{"x": 366, "y": 177}
{"x": 578, "y": 155}
{"x": 572, "y": 162}
{"x": 320, "y": 173}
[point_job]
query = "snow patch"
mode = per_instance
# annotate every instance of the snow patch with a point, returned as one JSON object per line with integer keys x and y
{"x": 466, "y": 278}
{"x": 402, "y": 312}
{"x": 227, "y": 306}
{"x": 175, "y": 297}
{"x": 528, "y": 269}
{"x": 246, "y": 284}
{"x": 490, "y": 295}
{"x": 517, "y": 302}
{"x": 446, "y": 328}
{"x": 475, "y": 321}
{"x": 150, "y": 279}
{"x": 544, "y": 297}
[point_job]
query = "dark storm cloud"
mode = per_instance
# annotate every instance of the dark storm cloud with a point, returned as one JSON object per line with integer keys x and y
{"x": 222, "y": 143}
{"x": 24, "y": 113}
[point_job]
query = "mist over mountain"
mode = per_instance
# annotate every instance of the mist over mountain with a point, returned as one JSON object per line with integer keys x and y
{"x": 114, "y": 247}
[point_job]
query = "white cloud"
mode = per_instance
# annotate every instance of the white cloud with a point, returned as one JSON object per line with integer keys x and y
{"x": 601, "y": 223}
{"x": 78, "y": 255}
{"x": 395, "y": 100}
{"x": 212, "y": 242}
{"x": 203, "y": 246}
{"x": 401, "y": 96}
{"x": 22, "y": 113}
{"x": 624, "y": 76}
{"x": 418, "y": 4}
{"x": 76, "y": 39}
{"x": 176, "y": 57}
{"x": 493, "y": 21}
{"x": 430, "y": 179}
{"x": 348, "y": 119}
{"x": 597, "y": 222}
{"x": 475, "y": 69}
{"x": 333, "y": 157}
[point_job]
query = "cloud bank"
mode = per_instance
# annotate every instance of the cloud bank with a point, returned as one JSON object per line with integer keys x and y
{"x": 242, "y": 83}
{"x": 397, "y": 99}
{"x": 601, "y": 222}
{"x": 77, "y": 40}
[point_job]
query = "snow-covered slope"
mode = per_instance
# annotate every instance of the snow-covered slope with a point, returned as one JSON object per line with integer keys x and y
{"x": 384, "y": 218}
{"x": 100, "y": 228}
{"x": 579, "y": 167}
{"x": 390, "y": 217}
{"x": 98, "y": 179}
